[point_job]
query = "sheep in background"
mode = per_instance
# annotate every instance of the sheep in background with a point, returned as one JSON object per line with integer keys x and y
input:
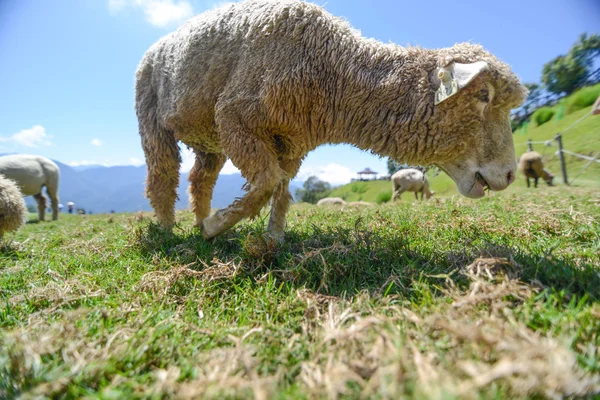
{"x": 531, "y": 165}
{"x": 410, "y": 180}
{"x": 265, "y": 82}
{"x": 331, "y": 201}
{"x": 13, "y": 211}
{"x": 31, "y": 173}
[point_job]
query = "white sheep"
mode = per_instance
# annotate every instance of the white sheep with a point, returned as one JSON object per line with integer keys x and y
{"x": 32, "y": 173}
{"x": 331, "y": 201}
{"x": 532, "y": 166}
{"x": 265, "y": 82}
{"x": 410, "y": 180}
{"x": 13, "y": 211}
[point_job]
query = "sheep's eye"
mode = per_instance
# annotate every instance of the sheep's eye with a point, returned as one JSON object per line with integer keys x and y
{"x": 483, "y": 95}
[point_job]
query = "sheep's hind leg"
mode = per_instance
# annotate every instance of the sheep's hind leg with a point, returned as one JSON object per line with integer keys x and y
{"x": 259, "y": 166}
{"x": 282, "y": 199}
{"x": 162, "y": 162}
{"x": 54, "y": 201}
{"x": 203, "y": 178}
{"x": 41, "y": 202}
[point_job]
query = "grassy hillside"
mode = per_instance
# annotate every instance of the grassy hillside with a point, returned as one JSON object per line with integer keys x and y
{"x": 497, "y": 298}
{"x": 582, "y": 138}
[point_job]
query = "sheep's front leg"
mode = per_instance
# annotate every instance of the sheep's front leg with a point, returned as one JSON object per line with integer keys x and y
{"x": 527, "y": 180}
{"x": 535, "y": 182}
{"x": 397, "y": 193}
{"x": 258, "y": 164}
{"x": 41, "y": 202}
{"x": 203, "y": 178}
{"x": 282, "y": 199}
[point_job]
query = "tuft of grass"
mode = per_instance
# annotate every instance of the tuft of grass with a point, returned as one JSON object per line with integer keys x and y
{"x": 453, "y": 298}
{"x": 384, "y": 196}
{"x": 542, "y": 115}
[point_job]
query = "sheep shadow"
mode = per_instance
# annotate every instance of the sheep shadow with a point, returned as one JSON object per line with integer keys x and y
{"x": 346, "y": 261}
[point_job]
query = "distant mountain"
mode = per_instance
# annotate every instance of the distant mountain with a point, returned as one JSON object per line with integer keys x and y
{"x": 121, "y": 189}
{"x": 90, "y": 166}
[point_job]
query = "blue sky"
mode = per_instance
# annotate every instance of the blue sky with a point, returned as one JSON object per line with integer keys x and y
{"x": 67, "y": 66}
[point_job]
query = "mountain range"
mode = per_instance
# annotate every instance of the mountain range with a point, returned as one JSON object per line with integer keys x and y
{"x": 121, "y": 189}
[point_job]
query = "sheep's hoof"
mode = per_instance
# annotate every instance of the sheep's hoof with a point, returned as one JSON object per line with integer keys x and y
{"x": 275, "y": 237}
{"x": 212, "y": 226}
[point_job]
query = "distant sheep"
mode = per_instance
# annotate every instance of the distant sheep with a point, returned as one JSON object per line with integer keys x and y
{"x": 359, "y": 204}
{"x": 532, "y": 166}
{"x": 410, "y": 180}
{"x": 265, "y": 82}
{"x": 331, "y": 201}
{"x": 13, "y": 211}
{"x": 31, "y": 174}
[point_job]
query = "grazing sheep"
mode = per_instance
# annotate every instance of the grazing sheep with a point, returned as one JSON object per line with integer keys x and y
{"x": 411, "y": 180}
{"x": 265, "y": 82}
{"x": 358, "y": 204}
{"x": 531, "y": 165}
{"x": 32, "y": 173}
{"x": 331, "y": 201}
{"x": 13, "y": 211}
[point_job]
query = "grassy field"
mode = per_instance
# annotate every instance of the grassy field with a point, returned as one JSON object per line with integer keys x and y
{"x": 451, "y": 298}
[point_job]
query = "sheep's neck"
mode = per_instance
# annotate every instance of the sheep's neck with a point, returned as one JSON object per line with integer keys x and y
{"x": 377, "y": 101}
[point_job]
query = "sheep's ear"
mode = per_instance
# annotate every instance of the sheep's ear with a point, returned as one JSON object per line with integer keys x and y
{"x": 455, "y": 77}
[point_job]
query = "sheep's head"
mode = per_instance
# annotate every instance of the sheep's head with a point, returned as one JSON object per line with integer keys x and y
{"x": 472, "y": 113}
{"x": 548, "y": 177}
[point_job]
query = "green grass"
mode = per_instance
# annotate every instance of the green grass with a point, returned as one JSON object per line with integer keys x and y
{"x": 372, "y": 302}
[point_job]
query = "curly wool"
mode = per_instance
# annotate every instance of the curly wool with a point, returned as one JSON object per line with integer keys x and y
{"x": 13, "y": 210}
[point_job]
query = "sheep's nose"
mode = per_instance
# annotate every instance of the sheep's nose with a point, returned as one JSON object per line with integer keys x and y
{"x": 510, "y": 177}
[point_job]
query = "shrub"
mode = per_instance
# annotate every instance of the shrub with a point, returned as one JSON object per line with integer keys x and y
{"x": 582, "y": 98}
{"x": 359, "y": 187}
{"x": 542, "y": 115}
{"x": 383, "y": 197}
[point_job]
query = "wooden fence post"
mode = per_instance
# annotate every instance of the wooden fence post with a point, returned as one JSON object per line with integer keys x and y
{"x": 529, "y": 145}
{"x": 561, "y": 155}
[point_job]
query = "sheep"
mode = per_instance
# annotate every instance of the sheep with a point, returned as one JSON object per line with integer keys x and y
{"x": 32, "y": 173}
{"x": 331, "y": 201}
{"x": 359, "y": 204}
{"x": 265, "y": 82}
{"x": 410, "y": 180}
{"x": 13, "y": 211}
{"x": 531, "y": 165}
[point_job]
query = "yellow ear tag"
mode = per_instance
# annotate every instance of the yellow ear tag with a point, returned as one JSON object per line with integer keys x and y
{"x": 448, "y": 86}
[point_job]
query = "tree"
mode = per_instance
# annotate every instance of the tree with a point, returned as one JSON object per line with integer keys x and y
{"x": 535, "y": 92}
{"x": 393, "y": 166}
{"x": 313, "y": 190}
{"x": 566, "y": 73}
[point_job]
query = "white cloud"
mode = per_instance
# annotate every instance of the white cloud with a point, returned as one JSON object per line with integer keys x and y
{"x": 136, "y": 162}
{"x": 96, "y": 142}
{"x": 161, "y": 13}
{"x": 229, "y": 168}
{"x": 333, "y": 173}
{"x": 32, "y": 137}
{"x": 187, "y": 162}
